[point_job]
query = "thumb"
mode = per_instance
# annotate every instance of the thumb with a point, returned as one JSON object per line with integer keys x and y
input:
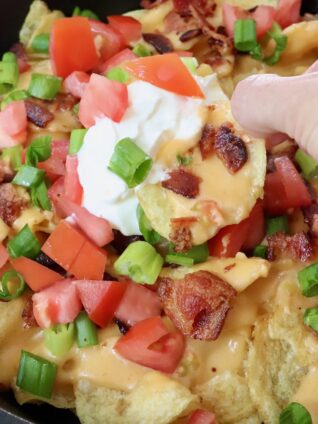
{"x": 267, "y": 104}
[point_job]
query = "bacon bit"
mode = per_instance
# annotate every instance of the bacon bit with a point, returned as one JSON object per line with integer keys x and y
{"x": 149, "y": 4}
{"x": 123, "y": 328}
{"x": 197, "y": 304}
{"x": 289, "y": 152}
{"x": 311, "y": 218}
{"x": 27, "y": 314}
{"x": 207, "y": 140}
{"x": 37, "y": 114}
{"x": 161, "y": 43}
{"x": 183, "y": 182}
{"x": 64, "y": 102}
{"x": 230, "y": 149}
{"x": 190, "y": 34}
{"x": 211, "y": 211}
{"x": 181, "y": 235}
{"x": 6, "y": 173}
{"x": 298, "y": 246}
{"x": 22, "y": 58}
{"x": 11, "y": 203}
{"x": 229, "y": 267}
{"x": 173, "y": 22}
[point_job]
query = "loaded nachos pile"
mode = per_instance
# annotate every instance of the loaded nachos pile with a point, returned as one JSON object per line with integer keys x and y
{"x": 157, "y": 262}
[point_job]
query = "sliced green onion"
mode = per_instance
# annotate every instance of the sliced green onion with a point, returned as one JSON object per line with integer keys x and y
{"x": 40, "y": 198}
{"x": 9, "y": 294}
{"x": 308, "y": 280}
{"x": 87, "y": 13}
{"x": 76, "y": 108}
{"x": 14, "y": 96}
{"x": 60, "y": 338}
{"x": 184, "y": 160}
{"x": 260, "y": 251}
{"x": 44, "y": 87}
{"x": 197, "y": 254}
{"x": 150, "y": 235}
{"x": 76, "y": 141}
{"x": 245, "y": 38}
{"x": 40, "y": 43}
{"x": 179, "y": 260}
{"x": 9, "y": 72}
{"x": 295, "y": 413}
{"x": 141, "y": 262}
{"x": 280, "y": 39}
{"x": 14, "y": 156}
{"x": 118, "y": 74}
{"x": 24, "y": 244}
{"x": 308, "y": 165}
{"x": 141, "y": 50}
{"x": 38, "y": 150}
{"x": 130, "y": 163}
{"x": 86, "y": 333}
{"x": 28, "y": 176}
{"x": 191, "y": 63}
{"x": 278, "y": 224}
{"x": 311, "y": 318}
{"x": 36, "y": 375}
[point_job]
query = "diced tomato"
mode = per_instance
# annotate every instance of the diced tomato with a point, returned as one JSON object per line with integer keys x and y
{"x": 72, "y": 46}
{"x": 288, "y": 12}
{"x": 4, "y": 256}
{"x": 295, "y": 188}
{"x": 256, "y": 222}
{"x": 36, "y": 275}
{"x": 138, "y": 304}
{"x": 13, "y": 118}
{"x": 59, "y": 149}
{"x": 229, "y": 240}
{"x": 57, "y": 304}
{"x": 55, "y": 191}
{"x": 72, "y": 186}
{"x": 149, "y": 343}
{"x": 76, "y": 83}
{"x": 53, "y": 166}
{"x": 7, "y": 140}
{"x": 201, "y": 416}
{"x": 273, "y": 140}
{"x": 165, "y": 71}
{"x": 129, "y": 27}
{"x": 275, "y": 199}
{"x": 100, "y": 299}
{"x": 110, "y": 39}
{"x": 103, "y": 97}
{"x": 90, "y": 263}
{"x": 230, "y": 15}
{"x": 116, "y": 60}
{"x": 97, "y": 229}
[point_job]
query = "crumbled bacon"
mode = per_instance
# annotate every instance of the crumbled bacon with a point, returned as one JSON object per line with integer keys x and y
{"x": 181, "y": 235}
{"x": 197, "y": 304}
{"x": 37, "y": 114}
{"x": 22, "y": 58}
{"x": 230, "y": 149}
{"x": 297, "y": 247}
{"x": 11, "y": 203}
{"x": 27, "y": 314}
{"x": 161, "y": 43}
{"x": 122, "y": 327}
{"x": 183, "y": 182}
{"x": 206, "y": 142}
{"x": 311, "y": 218}
{"x": 173, "y": 22}
{"x": 64, "y": 102}
{"x": 149, "y": 4}
{"x": 289, "y": 152}
{"x": 6, "y": 173}
{"x": 190, "y": 34}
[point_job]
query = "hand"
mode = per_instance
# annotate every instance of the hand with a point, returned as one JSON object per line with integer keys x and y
{"x": 268, "y": 104}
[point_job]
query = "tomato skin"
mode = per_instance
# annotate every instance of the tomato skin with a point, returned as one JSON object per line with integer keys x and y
{"x": 57, "y": 304}
{"x": 165, "y": 71}
{"x": 116, "y": 60}
{"x": 72, "y": 186}
{"x": 13, "y": 119}
{"x": 229, "y": 240}
{"x": 201, "y": 416}
{"x": 4, "y": 255}
{"x": 72, "y": 46}
{"x": 76, "y": 83}
{"x": 256, "y": 222}
{"x": 54, "y": 192}
{"x": 55, "y": 165}
{"x": 138, "y": 304}
{"x": 100, "y": 299}
{"x": 112, "y": 39}
{"x": 101, "y": 98}
{"x": 275, "y": 200}
{"x": 129, "y": 27}
{"x": 288, "y": 12}
{"x": 9, "y": 141}
{"x": 35, "y": 275}
{"x": 90, "y": 263}
{"x": 138, "y": 345}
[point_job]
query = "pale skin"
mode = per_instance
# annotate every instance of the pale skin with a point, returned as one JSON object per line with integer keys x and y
{"x": 268, "y": 104}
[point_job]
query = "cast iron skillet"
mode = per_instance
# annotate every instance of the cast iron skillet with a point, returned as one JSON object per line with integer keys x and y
{"x": 12, "y": 15}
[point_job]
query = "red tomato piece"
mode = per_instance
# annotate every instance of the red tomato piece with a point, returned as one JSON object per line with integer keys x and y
{"x": 59, "y": 149}
{"x": 72, "y": 186}
{"x": 72, "y": 46}
{"x": 138, "y": 304}
{"x": 288, "y": 12}
{"x": 149, "y": 343}
{"x": 97, "y": 229}
{"x": 129, "y": 27}
{"x": 230, "y": 15}
{"x": 55, "y": 191}
{"x": 103, "y": 97}
{"x": 7, "y": 140}
{"x": 256, "y": 222}
{"x": 76, "y": 83}
{"x": 53, "y": 166}
{"x": 13, "y": 119}
{"x": 109, "y": 39}
{"x": 36, "y": 275}
{"x": 275, "y": 199}
{"x": 274, "y": 139}
{"x": 116, "y": 60}
{"x": 90, "y": 263}
{"x": 295, "y": 188}
{"x": 201, "y": 416}
{"x": 4, "y": 256}
{"x": 57, "y": 304}
{"x": 229, "y": 240}
{"x": 100, "y": 299}
{"x": 165, "y": 71}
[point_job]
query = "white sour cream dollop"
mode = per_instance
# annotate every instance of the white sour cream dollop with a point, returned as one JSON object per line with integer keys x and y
{"x": 153, "y": 118}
